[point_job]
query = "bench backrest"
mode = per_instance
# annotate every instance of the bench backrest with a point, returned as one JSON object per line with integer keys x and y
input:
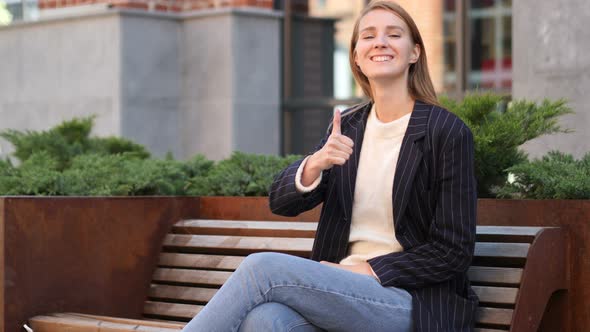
{"x": 199, "y": 255}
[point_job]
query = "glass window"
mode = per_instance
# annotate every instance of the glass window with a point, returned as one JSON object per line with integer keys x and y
{"x": 449, "y": 46}
{"x": 23, "y": 10}
{"x": 489, "y": 49}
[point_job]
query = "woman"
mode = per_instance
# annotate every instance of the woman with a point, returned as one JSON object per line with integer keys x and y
{"x": 397, "y": 228}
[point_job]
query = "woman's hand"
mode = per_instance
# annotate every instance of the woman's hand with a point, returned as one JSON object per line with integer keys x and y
{"x": 336, "y": 151}
{"x": 362, "y": 268}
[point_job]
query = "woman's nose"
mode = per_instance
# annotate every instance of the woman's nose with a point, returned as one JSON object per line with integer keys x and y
{"x": 379, "y": 42}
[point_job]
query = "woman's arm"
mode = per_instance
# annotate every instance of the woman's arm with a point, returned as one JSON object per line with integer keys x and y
{"x": 288, "y": 195}
{"x": 451, "y": 238}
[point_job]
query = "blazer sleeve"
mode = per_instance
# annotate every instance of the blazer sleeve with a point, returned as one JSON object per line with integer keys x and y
{"x": 450, "y": 241}
{"x": 286, "y": 200}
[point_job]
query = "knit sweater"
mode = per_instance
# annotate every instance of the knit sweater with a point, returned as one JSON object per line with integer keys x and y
{"x": 372, "y": 232}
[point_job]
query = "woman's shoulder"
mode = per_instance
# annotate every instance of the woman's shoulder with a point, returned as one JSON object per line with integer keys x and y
{"x": 445, "y": 125}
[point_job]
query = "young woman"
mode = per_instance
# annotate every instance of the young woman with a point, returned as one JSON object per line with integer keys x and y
{"x": 397, "y": 227}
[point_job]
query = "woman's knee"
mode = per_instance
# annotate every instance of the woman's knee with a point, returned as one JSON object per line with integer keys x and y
{"x": 263, "y": 260}
{"x": 275, "y": 317}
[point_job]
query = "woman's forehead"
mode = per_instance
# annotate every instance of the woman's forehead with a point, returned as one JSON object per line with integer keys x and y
{"x": 381, "y": 17}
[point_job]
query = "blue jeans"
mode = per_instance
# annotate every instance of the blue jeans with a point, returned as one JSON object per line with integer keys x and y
{"x": 278, "y": 292}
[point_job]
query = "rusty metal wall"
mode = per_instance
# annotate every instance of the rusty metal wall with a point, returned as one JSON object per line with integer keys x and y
{"x": 88, "y": 255}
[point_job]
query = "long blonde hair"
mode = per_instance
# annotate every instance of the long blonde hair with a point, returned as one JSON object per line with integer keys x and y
{"x": 419, "y": 83}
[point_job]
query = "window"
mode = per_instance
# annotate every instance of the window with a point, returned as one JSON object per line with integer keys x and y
{"x": 487, "y": 49}
{"x": 22, "y": 10}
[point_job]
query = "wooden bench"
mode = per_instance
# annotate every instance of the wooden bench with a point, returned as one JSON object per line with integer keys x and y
{"x": 515, "y": 271}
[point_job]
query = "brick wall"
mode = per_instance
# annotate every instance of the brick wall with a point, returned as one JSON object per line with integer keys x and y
{"x": 173, "y": 5}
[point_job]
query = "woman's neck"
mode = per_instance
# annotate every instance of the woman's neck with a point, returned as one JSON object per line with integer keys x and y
{"x": 392, "y": 101}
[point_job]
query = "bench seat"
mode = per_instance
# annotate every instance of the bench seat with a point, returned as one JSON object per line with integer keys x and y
{"x": 514, "y": 272}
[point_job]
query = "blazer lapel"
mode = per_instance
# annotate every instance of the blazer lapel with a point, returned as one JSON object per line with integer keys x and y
{"x": 409, "y": 159}
{"x": 353, "y": 126}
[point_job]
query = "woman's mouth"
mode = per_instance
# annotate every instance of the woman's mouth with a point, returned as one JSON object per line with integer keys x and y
{"x": 381, "y": 58}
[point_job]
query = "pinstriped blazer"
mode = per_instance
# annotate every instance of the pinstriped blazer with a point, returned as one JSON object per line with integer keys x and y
{"x": 434, "y": 206}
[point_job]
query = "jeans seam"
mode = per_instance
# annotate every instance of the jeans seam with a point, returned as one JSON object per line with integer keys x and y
{"x": 340, "y": 294}
{"x": 301, "y": 323}
{"x": 241, "y": 320}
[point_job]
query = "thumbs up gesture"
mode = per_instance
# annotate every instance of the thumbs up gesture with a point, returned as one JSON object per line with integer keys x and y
{"x": 337, "y": 149}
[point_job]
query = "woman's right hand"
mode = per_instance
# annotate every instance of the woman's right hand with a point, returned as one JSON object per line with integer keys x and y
{"x": 336, "y": 151}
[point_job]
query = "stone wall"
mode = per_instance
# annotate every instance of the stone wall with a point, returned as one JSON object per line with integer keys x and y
{"x": 206, "y": 82}
{"x": 550, "y": 54}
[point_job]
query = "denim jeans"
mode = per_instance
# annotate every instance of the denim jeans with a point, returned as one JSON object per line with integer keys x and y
{"x": 279, "y": 292}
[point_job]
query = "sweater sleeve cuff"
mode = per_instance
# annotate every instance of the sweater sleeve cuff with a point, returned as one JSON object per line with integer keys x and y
{"x": 299, "y": 186}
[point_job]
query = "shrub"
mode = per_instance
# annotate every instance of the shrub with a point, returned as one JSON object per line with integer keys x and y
{"x": 555, "y": 176}
{"x": 38, "y": 175}
{"x": 241, "y": 175}
{"x": 499, "y": 127}
{"x": 68, "y": 140}
{"x": 65, "y": 160}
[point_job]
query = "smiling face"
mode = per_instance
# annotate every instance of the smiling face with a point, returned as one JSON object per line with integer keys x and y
{"x": 384, "y": 47}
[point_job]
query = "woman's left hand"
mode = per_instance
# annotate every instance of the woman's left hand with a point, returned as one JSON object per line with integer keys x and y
{"x": 362, "y": 268}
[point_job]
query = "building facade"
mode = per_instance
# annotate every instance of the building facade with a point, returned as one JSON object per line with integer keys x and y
{"x": 527, "y": 49}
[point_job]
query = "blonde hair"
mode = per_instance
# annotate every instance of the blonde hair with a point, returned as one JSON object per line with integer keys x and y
{"x": 419, "y": 83}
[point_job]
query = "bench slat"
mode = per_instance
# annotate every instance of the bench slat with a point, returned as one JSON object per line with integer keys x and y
{"x": 477, "y": 274}
{"x": 496, "y": 295}
{"x": 167, "y": 292}
{"x": 238, "y": 244}
{"x": 59, "y": 323}
{"x": 502, "y": 250}
{"x": 495, "y": 275}
{"x": 218, "y": 262}
{"x": 249, "y": 244}
{"x": 493, "y": 316}
{"x": 509, "y": 230}
{"x": 246, "y": 228}
{"x": 197, "y": 277}
{"x": 135, "y": 322}
{"x": 507, "y": 233}
{"x": 173, "y": 310}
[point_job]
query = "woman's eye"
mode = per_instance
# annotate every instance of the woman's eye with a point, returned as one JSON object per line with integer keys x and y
{"x": 394, "y": 36}
{"x": 368, "y": 37}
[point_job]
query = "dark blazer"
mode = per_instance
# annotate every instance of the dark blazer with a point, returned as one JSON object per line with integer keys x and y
{"x": 434, "y": 206}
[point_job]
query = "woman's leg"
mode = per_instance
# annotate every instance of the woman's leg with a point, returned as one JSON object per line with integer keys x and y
{"x": 276, "y": 317}
{"x": 328, "y": 297}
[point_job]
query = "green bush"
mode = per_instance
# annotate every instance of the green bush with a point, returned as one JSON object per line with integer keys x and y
{"x": 499, "y": 127}
{"x": 555, "y": 176}
{"x": 68, "y": 140}
{"x": 241, "y": 175}
{"x": 38, "y": 175}
{"x": 65, "y": 160}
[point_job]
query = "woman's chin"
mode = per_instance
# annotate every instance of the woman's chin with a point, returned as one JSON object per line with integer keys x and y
{"x": 384, "y": 75}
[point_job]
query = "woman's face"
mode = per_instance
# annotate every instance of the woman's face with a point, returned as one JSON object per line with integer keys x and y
{"x": 384, "y": 48}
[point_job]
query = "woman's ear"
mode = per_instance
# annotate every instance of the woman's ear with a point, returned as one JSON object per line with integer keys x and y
{"x": 415, "y": 54}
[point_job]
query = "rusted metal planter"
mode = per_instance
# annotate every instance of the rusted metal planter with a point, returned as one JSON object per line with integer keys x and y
{"x": 88, "y": 255}
{"x": 97, "y": 255}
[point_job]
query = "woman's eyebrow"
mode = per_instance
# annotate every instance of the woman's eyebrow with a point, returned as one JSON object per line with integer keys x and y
{"x": 389, "y": 27}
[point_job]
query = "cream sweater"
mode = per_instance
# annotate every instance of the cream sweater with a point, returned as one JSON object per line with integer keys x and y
{"x": 372, "y": 233}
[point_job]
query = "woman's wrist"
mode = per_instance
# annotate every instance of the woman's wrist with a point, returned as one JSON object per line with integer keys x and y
{"x": 311, "y": 171}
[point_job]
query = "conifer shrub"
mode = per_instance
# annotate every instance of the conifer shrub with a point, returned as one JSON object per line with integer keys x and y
{"x": 555, "y": 176}
{"x": 499, "y": 127}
